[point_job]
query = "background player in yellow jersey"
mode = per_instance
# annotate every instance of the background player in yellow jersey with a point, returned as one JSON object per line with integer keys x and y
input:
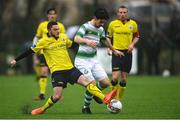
{"x": 124, "y": 34}
{"x": 54, "y": 47}
{"x": 40, "y": 65}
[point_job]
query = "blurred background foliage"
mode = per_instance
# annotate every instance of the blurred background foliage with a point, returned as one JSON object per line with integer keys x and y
{"x": 158, "y": 20}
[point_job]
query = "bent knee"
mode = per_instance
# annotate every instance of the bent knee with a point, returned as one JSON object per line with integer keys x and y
{"x": 44, "y": 71}
{"x": 115, "y": 77}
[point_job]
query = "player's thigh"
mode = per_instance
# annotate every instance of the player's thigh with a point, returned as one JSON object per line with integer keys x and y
{"x": 44, "y": 70}
{"x": 42, "y": 60}
{"x": 85, "y": 68}
{"x": 127, "y": 63}
{"x": 36, "y": 61}
{"x": 82, "y": 80}
{"x": 116, "y": 62}
{"x": 59, "y": 79}
{"x": 36, "y": 65}
{"x": 98, "y": 72}
{"x": 43, "y": 65}
{"x": 75, "y": 76}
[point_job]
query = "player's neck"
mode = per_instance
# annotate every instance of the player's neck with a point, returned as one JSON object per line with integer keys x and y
{"x": 92, "y": 22}
{"x": 55, "y": 37}
{"x": 50, "y": 35}
{"x": 124, "y": 21}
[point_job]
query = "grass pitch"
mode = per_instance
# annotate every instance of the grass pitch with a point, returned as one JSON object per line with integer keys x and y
{"x": 146, "y": 97}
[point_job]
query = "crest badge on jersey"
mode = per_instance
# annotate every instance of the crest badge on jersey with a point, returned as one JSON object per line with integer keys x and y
{"x": 130, "y": 27}
{"x": 63, "y": 39}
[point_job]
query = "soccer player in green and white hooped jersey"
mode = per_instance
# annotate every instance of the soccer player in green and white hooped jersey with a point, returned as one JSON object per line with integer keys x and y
{"x": 89, "y": 36}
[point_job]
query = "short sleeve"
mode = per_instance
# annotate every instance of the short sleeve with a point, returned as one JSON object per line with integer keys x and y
{"x": 81, "y": 32}
{"x": 135, "y": 27}
{"x": 110, "y": 30}
{"x": 68, "y": 42}
{"x": 103, "y": 35}
{"x": 39, "y": 30}
{"x": 39, "y": 46}
{"x": 61, "y": 27}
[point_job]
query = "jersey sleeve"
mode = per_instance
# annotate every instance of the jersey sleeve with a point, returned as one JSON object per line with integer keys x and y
{"x": 135, "y": 27}
{"x": 68, "y": 42}
{"x": 110, "y": 30}
{"x": 81, "y": 32}
{"x": 39, "y": 32}
{"x": 62, "y": 28}
{"x": 39, "y": 46}
{"x": 135, "y": 30}
{"x": 103, "y": 35}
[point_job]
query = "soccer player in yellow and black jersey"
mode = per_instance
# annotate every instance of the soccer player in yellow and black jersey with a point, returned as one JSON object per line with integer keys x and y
{"x": 54, "y": 48}
{"x": 123, "y": 33}
{"x": 40, "y": 65}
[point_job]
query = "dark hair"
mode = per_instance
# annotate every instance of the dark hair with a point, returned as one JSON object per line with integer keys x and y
{"x": 122, "y": 6}
{"x": 101, "y": 13}
{"x": 51, "y": 9}
{"x": 50, "y": 24}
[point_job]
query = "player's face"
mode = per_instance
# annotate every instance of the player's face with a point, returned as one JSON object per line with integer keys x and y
{"x": 99, "y": 22}
{"x": 55, "y": 31}
{"x": 52, "y": 16}
{"x": 122, "y": 14}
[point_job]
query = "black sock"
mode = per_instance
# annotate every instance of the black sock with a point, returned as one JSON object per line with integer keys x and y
{"x": 114, "y": 83}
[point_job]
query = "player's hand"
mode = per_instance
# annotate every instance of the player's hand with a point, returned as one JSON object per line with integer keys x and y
{"x": 130, "y": 48}
{"x": 109, "y": 51}
{"x": 13, "y": 63}
{"x": 91, "y": 43}
{"x": 118, "y": 53}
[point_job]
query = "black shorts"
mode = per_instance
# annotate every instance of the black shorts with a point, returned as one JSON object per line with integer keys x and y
{"x": 61, "y": 78}
{"x": 42, "y": 60}
{"x": 122, "y": 63}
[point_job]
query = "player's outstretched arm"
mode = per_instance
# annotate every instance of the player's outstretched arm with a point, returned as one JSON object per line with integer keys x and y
{"x": 12, "y": 62}
{"x": 21, "y": 56}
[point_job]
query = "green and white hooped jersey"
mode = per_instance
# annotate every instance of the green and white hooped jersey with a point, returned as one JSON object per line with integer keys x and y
{"x": 89, "y": 31}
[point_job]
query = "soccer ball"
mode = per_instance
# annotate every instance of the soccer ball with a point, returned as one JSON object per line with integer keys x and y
{"x": 114, "y": 106}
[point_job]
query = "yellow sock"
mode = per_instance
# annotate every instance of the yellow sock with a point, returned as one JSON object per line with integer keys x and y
{"x": 42, "y": 84}
{"x": 48, "y": 104}
{"x": 95, "y": 91}
{"x": 113, "y": 87}
{"x": 120, "y": 92}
